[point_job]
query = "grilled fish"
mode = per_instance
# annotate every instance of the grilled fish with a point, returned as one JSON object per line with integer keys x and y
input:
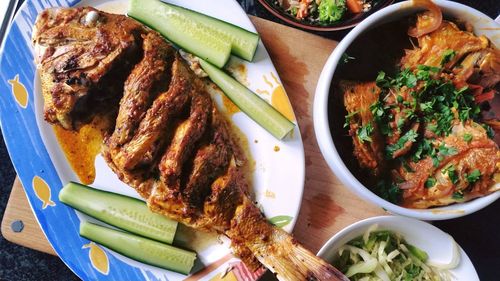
{"x": 172, "y": 145}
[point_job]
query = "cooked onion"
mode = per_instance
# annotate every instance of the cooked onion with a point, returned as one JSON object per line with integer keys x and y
{"x": 428, "y": 21}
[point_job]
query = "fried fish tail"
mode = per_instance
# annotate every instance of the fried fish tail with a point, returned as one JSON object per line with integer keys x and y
{"x": 276, "y": 249}
{"x": 293, "y": 261}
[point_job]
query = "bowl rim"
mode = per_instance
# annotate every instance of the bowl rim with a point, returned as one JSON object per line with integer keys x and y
{"x": 366, "y": 223}
{"x": 325, "y": 140}
{"x": 306, "y": 26}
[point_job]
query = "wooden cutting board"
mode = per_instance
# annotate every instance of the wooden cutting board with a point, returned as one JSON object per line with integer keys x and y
{"x": 327, "y": 205}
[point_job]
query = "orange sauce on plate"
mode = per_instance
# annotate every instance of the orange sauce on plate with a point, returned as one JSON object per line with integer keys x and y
{"x": 82, "y": 147}
{"x": 230, "y": 107}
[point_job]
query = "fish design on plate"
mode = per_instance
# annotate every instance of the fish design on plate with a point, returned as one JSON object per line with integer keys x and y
{"x": 98, "y": 257}
{"x": 19, "y": 91}
{"x": 42, "y": 191}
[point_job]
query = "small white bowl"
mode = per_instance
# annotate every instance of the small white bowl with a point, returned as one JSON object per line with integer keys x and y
{"x": 437, "y": 243}
{"x": 482, "y": 24}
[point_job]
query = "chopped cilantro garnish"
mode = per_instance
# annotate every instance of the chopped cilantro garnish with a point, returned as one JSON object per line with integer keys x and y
{"x": 405, "y": 165}
{"x": 467, "y": 137}
{"x": 447, "y": 150}
{"x": 452, "y": 173}
{"x": 400, "y": 122}
{"x": 438, "y": 155}
{"x": 411, "y": 135}
{"x": 432, "y": 127}
{"x": 410, "y": 113}
{"x": 364, "y": 133}
{"x": 453, "y": 176}
{"x": 426, "y": 107}
{"x": 424, "y": 72}
{"x": 346, "y": 58}
{"x": 458, "y": 195}
{"x": 448, "y": 55}
{"x": 405, "y": 78}
{"x": 377, "y": 109}
{"x": 436, "y": 159}
{"x": 434, "y": 69}
{"x": 423, "y": 148}
{"x": 389, "y": 191}
{"x": 383, "y": 81}
{"x": 348, "y": 118}
{"x": 473, "y": 176}
{"x": 489, "y": 131}
{"x": 430, "y": 182}
{"x": 411, "y": 81}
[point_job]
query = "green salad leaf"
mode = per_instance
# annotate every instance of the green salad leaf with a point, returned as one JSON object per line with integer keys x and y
{"x": 331, "y": 10}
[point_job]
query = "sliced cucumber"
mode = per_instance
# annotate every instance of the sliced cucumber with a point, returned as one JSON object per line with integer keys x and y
{"x": 181, "y": 30}
{"x": 140, "y": 248}
{"x": 243, "y": 42}
{"x": 250, "y": 103}
{"x": 184, "y": 27}
{"x": 124, "y": 212}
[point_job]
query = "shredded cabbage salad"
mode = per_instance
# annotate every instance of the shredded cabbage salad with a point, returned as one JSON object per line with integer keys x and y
{"x": 385, "y": 255}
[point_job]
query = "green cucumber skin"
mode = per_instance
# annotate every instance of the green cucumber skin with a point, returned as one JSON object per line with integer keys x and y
{"x": 243, "y": 43}
{"x": 250, "y": 103}
{"x": 243, "y": 37}
{"x": 139, "y": 248}
{"x": 127, "y": 213}
{"x": 183, "y": 33}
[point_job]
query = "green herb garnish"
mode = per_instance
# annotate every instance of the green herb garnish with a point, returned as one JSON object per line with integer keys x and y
{"x": 467, "y": 137}
{"x": 364, "y": 133}
{"x": 382, "y": 80}
{"x": 448, "y": 55}
{"x": 452, "y": 173}
{"x": 348, "y": 118}
{"x": 458, "y": 195}
{"x": 411, "y": 136}
{"x": 346, "y": 58}
{"x": 473, "y": 176}
{"x": 389, "y": 191}
{"x": 447, "y": 150}
{"x": 430, "y": 182}
{"x": 489, "y": 131}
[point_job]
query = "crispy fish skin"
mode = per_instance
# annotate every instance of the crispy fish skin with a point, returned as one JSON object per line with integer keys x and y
{"x": 150, "y": 136}
{"x": 84, "y": 56}
{"x": 207, "y": 190}
{"x": 148, "y": 78}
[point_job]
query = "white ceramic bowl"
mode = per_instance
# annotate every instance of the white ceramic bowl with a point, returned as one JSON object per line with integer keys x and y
{"x": 437, "y": 244}
{"x": 483, "y": 25}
